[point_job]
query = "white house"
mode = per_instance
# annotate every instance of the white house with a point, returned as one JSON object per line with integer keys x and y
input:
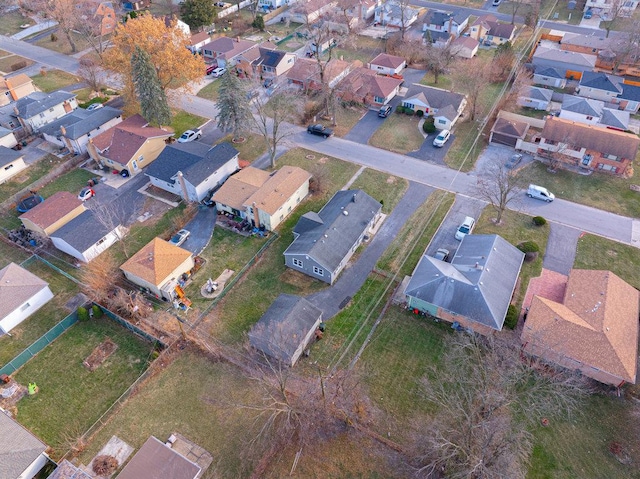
{"x": 22, "y": 293}
{"x": 192, "y": 170}
{"x": 584, "y": 110}
{"x": 22, "y": 454}
{"x": 7, "y": 138}
{"x": 607, "y": 9}
{"x": 11, "y": 163}
{"x": 535, "y": 97}
{"x": 73, "y": 131}
{"x": 85, "y": 236}
{"x": 550, "y": 77}
{"x": 39, "y": 109}
{"x": 445, "y": 106}
{"x": 448, "y": 22}
{"x": 390, "y": 14}
{"x": 387, "y": 64}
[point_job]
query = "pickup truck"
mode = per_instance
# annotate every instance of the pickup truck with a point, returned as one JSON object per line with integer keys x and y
{"x": 319, "y": 130}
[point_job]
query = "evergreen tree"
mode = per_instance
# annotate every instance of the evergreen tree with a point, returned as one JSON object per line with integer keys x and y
{"x": 198, "y": 13}
{"x": 153, "y": 100}
{"x": 234, "y": 112}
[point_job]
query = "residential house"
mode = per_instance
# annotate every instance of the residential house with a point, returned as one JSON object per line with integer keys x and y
{"x": 392, "y": 13}
{"x": 23, "y": 454}
{"x": 9, "y": 121}
{"x": 325, "y": 241}
{"x": 615, "y": 53}
{"x": 450, "y": 22}
{"x": 508, "y": 132}
{"x": 583, "y": 110}
{"x": 182, "y": 27}
{"x": 263, "y": 198}
{"x": 15, "y": 87}
{"x": 445, "y": 106}
{"x": 570, "y": 64}
{"x": 39, "y": 109}
{"x": 309, "y": 11}
{"x": 197, "y": 41}
{"x": 129, "y": 146}
{"x": 629, "y": 99}
{"x": 588, "y": 146}
{"x": 245, "y": 62}
{"x": 52, "y": 213}
{"x": 159, "y": 267}
{"x": 100, "y": 15}
{"x": 135, "y": 5}
{"x": 474, "y": 290}
{"x": 156, "y": 459}
{"x": 271, "y": 4}
{"x": 387, "y": 64}
{"x": 273, "y": 63}
{"x": 11, "y": 163}
{"x": 305, "y": 73}
{"x": 86, "y": 236}
{"x": 224, "y": 51}
{"x": 615, "y": 119}
{"x": 438, "y": 39}
{"x": 535, "y": 97}
{"x": 489, "y": 31}
{"x": 192, "y": 170}
{"x": 599, "y": 86}
{"x": 549, "y": 77}
{"x": 607, "y": 9}
{"x": 362, "y": 10}
{"x": 67, "y": 470}
{"x": 286, "y": 328}
{"x": 7, "y": 138}
{"x": 465, "y": 47}
{"x": 365, "y": 86}
{"x": 594, "y": 329}
{"x": 73, "y": 131}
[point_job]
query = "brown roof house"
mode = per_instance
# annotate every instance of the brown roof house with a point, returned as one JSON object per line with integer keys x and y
{"x": 22, "y": 293}
{"x": 15, "y": 87}
{"x": 53, "y": 213}
{"x": 225, "y": 51}
{"x": 155, "y": 460}
{"x": 159, "y": 267}
{"x": 489, "y": 31}
{"x": 306, "y": 73}
{"x": 387, "y": 64}
{"x": 465, "y": 47}
{"x": 588, "y": 146}
{"x": 508, "y": 132}
{"x": 270, "y": 196}
{"x": 130, "y": 145}
{"x": 366, "y": 86}
{"x": 594, "y": 329}
{"x": 22, "y": 455}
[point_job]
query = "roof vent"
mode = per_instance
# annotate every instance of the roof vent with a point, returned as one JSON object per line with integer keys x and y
{"x": 353, "y": 198}
{"x": 345, "y": 212}
{"x": 326, "y": 236}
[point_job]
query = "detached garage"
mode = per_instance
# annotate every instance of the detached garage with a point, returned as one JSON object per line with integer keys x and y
{"x": 508, "y": 132}
{"x": 22, "y": 293}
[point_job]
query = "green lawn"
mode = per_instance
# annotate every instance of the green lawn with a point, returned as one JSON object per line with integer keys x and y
{"x": 516, "y": 228}
{"x": 444, "y": 81}
{"x": 53, "y": 80}
{"x": 71, "y": 397}
{"x": 386, "y": 188}
{"x": 73, "y": 181}
{"x": 62, "y": 45}
{"x": 595, "y": 252}
{"x": 253, "y": 148}
{"x": 6, "y": 62}
{"x": 42, "y": 320}
{"x": 10, "y": 22}
{"x": 210, "y": 92}
{"x": 600, "y": 190}
{"x": 399, "y": 133}
{"x": 346, "y": 119}
{"x": 183, "y": 121}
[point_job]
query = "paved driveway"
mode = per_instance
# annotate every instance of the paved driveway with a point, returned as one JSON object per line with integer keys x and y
{"x": 353, "y": 277}
{"x": 429, "y": 152}
{"x": 444, "y": 237}
{"x": 499, "y": 153}
{"x": 561, "y": 248}
{"x": 366, "y": 126}
{"x": 201, "y": 228}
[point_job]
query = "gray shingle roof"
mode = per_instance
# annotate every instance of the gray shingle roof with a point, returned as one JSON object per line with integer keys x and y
{"x": 328, "y": 236}
{"x": 270, "y": 58}
{"x": 549, "y": 72}
{"x": 601, "y": 81}
{"x": 477, "y": 284}
{"x": 18, "y": 448}
{"x": 581, "y": 105}
{"x": 437, "y": 36}
{"x": 7, "y": 155}
{"x": 437, "y": 98}
{"x": 537, "y": 93}
{"x": 38, "y": 102}
{"x": 615, "y": 118}
{"x": 197, "y": 161}
{"x": 80, "y": 122}
{"x": 630, "y": 92}
{"x": 438, "y": 17}
{"x": 82, "y": 232}
{"x": 283, "y": 327}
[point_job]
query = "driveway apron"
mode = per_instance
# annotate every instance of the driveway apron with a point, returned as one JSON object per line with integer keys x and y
{"x": 331, "y": 300}
{"x": 201, "y": 228}
{"x": 561, "y": 248}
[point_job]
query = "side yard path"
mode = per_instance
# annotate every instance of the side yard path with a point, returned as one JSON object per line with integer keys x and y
{"x": 333, "y": 299}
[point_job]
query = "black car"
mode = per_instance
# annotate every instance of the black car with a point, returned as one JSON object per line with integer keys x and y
{"x": 384, "y": 111}
{"x": 320, "y": 130}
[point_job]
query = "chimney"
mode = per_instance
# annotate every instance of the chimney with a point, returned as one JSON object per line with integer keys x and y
{"x": 353, "y": 198}
{"x": 63, "y": 130}
{"x": 15, "y": 110}
{"x": 183, "y": 186}
{"x": 238, "y": 39}
{"x": 256, "y": 215}
{"x": 477, "y": 264}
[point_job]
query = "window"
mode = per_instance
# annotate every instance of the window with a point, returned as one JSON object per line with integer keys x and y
{"x": 378, "y": 99}
{"x": 610, "y": 157}
{"x": 589, "y": 118}
{"x": 24, "y": 307}
{"x": 318, "y": 271}
{"x": 550, "y": 142}
{"x": 50, "y": 109}
{"x": 41, "y": 115}
{"x": 8, "y": 167}
{"x": 297, "y": 262}
{"x": 289, "y": 209}
{"x": 442, "y": 122}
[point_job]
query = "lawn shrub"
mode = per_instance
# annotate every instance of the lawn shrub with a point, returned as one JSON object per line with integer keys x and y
{"x": 18, "y": 66}
{"x": 530, "y": 250}
{"x": 98, "y": 99}
{"x": 408, "y": 111}
{"x": 97, "y": 311}
{"x": 258, "y": 23}
{"x": 511, "y": 320}
{"x": 83, "y": 314}
{"x": 539, "y": 221}
{"x": 429, "y": 125}
{"x": 420, "y": 113}
{"x": 399, "y": 109}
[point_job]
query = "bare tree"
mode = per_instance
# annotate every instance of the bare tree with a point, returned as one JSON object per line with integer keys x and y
{"x": 112, "y": 216}
{"x": 98, "y": 277}
{"x": 515, "y": 6}
{"x": 438, "y": 59}
{"x": 62, "y": 11}
{"x": 626, "y": 45}
{"x": 470, "y": 76}
{"x": 91, "y": 72}
{"x": 486, "y": 397}
{"x": 347, "y": 13}
{"x": 271, "y": 118}
{"x": 613, "y": 18}
{"x": 405, "y": 11}
{"x": 499, "y": 186}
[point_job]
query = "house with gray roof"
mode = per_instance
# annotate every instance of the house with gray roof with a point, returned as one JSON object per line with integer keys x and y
{"x": 7, "y": 138}
{"x": 325, "y": 241}
{"x": 192, "y": 170}
{"x": 87, "y": 235}
{"x": 535, "y": 97}
{"x": 445, "y": 106}
{"x": 570, "y": 64}
{"x": 438, "y": 39}
{"x": 22, "y": 454}
{"x": 618, "y": 119}
{"x": 441, "y": 21}
{"x": 286, "y": 328}
{"x": 273, "y": 63}
{"x": 599, "y": 86}
{"x": 39, "y": 108}
{"x": 156, "y": 459}
{"x": 11, "y": 163}
{"x": 629, "y": 99}
{"x": 474, "y": 290}
{"x": 584, "y": 110}
{"x": 549, "y": 77}
{"x": 73, "y": 131}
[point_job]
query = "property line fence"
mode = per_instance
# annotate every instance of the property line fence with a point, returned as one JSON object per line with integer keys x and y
{"x": 133, "y": 328}
{"x": 39, "y": 344}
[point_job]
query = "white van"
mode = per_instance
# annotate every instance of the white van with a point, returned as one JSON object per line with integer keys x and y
{"x": 540, "y": 193}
